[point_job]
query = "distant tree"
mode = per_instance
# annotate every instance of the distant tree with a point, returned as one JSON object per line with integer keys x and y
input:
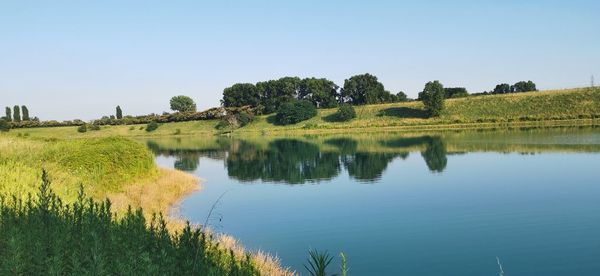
{"x": 364, "y": 89}
{"x": 433, "y": 98}
{"x": 503, "y": 88}
{"x": 323, "y": 93}
{"x": 524, "y": 86}
{"x": 345, "y": 113}
{"x": 4, "y": 125}
{"x": 455, "y": 92}
{"x": 16, "y": 113}
{"x": 274, "y": 93}
{"x": 241, "y": 94}
{"x": 82, "y": 128}
{"x": 119, "y": 113}
{"x": 25, "y": 113}
{"x": 8, "y": 114}
{"x": 183, "y": 104}
{"x": 295, "y": 111}
{"x": 401, "y": 97}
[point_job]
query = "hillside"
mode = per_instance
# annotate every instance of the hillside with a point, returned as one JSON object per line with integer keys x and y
{"x": 579, "y": 106}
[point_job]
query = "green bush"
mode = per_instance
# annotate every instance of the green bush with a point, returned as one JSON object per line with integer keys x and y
{"x": 152, "y": 126}
{"x": 82, "y": 128}
{"x": 94, "y": 127}
{"x": 295, "y": 111}
{"x": 345, "y": 113}
{"x": 4, "y": 125}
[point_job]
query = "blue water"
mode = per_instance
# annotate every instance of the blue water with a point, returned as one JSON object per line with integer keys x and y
{"x": 449, "y": 209}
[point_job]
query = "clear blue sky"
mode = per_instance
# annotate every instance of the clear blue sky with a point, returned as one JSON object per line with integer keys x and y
{"x": 78, "y": 59}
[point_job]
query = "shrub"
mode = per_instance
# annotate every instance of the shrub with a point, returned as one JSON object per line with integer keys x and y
{"x": 177, "y": 132}
{"x": 4, "y": 126}
{"x": 433, "y": 98}
{"x": 94, "y": 127}
{"x": 295, "y": 111}
{"x": 82, "y": 128}
{"x": 345, "y": 113}
{"x": 152, "y": 126}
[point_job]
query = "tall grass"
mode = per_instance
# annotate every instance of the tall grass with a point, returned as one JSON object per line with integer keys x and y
{"x": 45, "y": 236}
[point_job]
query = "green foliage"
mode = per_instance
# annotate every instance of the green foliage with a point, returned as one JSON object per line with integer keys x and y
{"x": 321, "y": 92}
{"x": 119, "y": 113}
{"x": 152, "y": 126}
{"x": 82, "y": 128}
{"x": 295, "y": 111}
{"x": 318, "y": 263}
{"x": 4, "y": 125}
{"x": 401, "y": 97}
{"x": 25, "y": 113}
{"x": 277, "y": 92}
{"x": 343, "y": 264}
{"x": 16, "y": 114}
{"x": 8, "y": 114}
{"x": 183, "y": 104}
{"x": 524, "y": 86}
{"x": 433, "y": 98}
{"x": 365, "y": 89}
{"x": 241, "y": 94}
{"x": 47, "y": 237}
{"x": 503, "y": 88}
{"x": 345, "y": 113}
{"x": 236, "y": 119}
{"x": 455, "y": 92}
{"x": 94, "y": 127}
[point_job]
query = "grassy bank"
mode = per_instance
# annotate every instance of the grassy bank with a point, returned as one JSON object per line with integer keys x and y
{"x": 544, "y": 108}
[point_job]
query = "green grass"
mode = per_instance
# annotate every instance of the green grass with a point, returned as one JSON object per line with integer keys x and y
{"x": 101, "y": 165}
{"x": 579, "y": 106}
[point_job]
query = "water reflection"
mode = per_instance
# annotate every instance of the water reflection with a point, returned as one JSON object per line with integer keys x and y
{"x": 298, "y": 161}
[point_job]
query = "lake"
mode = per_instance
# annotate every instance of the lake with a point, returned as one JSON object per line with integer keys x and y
{"x": 446, "y": 203}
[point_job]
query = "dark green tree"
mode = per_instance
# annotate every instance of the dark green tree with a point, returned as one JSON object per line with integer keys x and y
{"x": 16, "y": 113}
{"x": 4, "y": 125}
{"x": 241, "y": 94}
{"x": 455, "y": 92}
{"x": 8, "y": 114}
{"x": 295, "y": 111}
{"x": 119, "y": 113}
{"x": 364, "y": 89}
{"x": 401, "y": 97}
{"x": 433, "y": 98}
{"x": 524, "y": 86}
{"x": 503, "y": 88}
{"x": 25, "y": 113}
{"x": 183, "y": 104}
{"x": 274, "y": 93}
{"x": 323, "y": 93}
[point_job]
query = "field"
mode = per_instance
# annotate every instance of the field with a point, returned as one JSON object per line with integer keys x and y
{"x": 553, "y": 107}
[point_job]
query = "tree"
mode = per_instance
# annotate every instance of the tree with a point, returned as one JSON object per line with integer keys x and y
{"x": 241, "y": 94}
{"x": 183, "y": 104}
{"x": 4, "y": 125}
{"x": 524, "y": 86}
{"x": 16, "y": 113}
{"x": 119, "y": 113}
{"x": 295, "y": 111}
{"x": 323, "y": 93}
{"x": 433, "y": 98}
{"x": 25, "y": 113}
{"x": 455, "y": 92}
{"x": 8, "y": 114}
{"x": 401, "y": 97}
{"x": 364, "y": 89}
{"x": 502, "y": 88}
{"x": 274, "y": 93}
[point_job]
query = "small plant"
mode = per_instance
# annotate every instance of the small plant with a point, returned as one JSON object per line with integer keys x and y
{"x": 152, "y": 126}
{"x": 95, "y": 127}
{"x": 177, "y": 132}
{"x": 142, "y": 128}
{"x": 345, "y": 113}
{"x": 131, "y": 128}
{"x": 343, "y": 265}
{"x": 318, "y": 262}
{"x": 82, "y": 128}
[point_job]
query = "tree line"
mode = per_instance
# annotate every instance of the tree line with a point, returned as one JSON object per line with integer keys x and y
{"x": 18, "y": 114}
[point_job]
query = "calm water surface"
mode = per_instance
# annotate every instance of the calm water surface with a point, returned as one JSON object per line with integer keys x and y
{"x": 405, "y": 204}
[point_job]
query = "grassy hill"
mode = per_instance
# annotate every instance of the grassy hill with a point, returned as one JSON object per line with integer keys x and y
{"x": 579, "y": 106}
